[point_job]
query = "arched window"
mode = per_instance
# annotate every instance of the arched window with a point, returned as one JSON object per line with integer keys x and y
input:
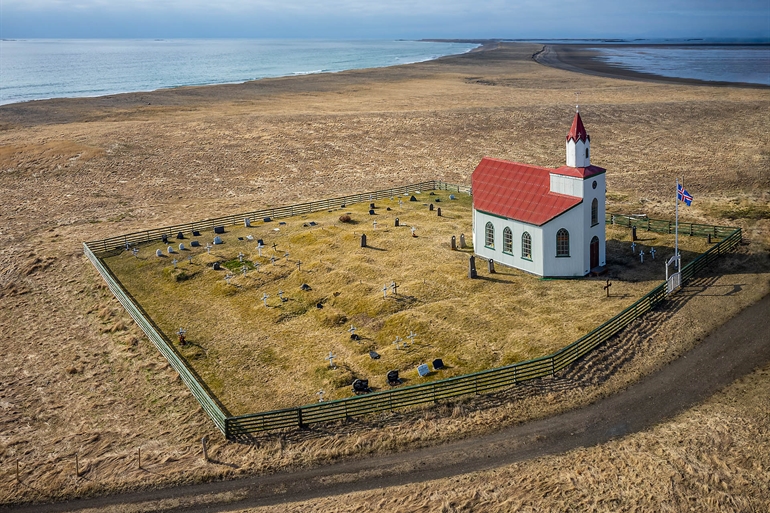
{"x": 507, "y": 240}
{"x": 562, "y": 243}
{"x": 526, "y": 245}
{"x": 594, "y": 212}
{"x": 489, "y": 236}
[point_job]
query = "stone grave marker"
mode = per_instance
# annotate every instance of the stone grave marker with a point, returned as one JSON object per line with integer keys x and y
{"x": 396, "y": 224}
{"x": 438, "y": 364}
{"x": 217, "y": 240}
{"x": 641, "y": 255}
{"x": 264, "y": 299}
{"x": 363, "y": 240}
{"x": 452, "y": 196}
{"x": 217, "y": 266}
{"x": 394, "y": 287}
{"x": 331, "y": 358}
{"x": 491, "y": 264}
{"x": 412, "y": 335}
{"x": 320, "y": 395}
{"x": 462, "y": 241}
{"x": 219, "y": 229}
{"x": 135, "y": 252}
{"x": 164, "y": 238}
{"x": 181, "y": 246}
{"x": 385, "y": 292}
{"x": 454, "y": 243}
{"x": 208, "y": 248}
{"x": 652, "y": 253}
{"x": 196, "y": 233}
{"x": 175, "y": 261}
{"x": 472, "y": 268}
{"x": 430, "y": 207}
{"x": 412, "y": 198}
{"x": 240, "y": 257}
{"x": 158, "y": 252}
{"x": 393, "y": 378}
{"x": 247, "y": 222}
{"x": 228, "y": 277}
{"x": 189, "y": 259}
{"x": 438, "y": 211}
{"x": 423, "y": 370}
{"x": 397, "y": 342}
{"x": 170, "y": 250}
{"x": 374, "y": 355}
{"x": 195, "y": 244}
{"x": 180, "y": 235}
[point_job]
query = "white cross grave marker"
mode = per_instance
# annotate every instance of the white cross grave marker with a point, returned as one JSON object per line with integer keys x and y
{"x": 240, "y": 257}
{"x": 208, "y": 248}
{"x": 331, "y": 358}
{"x": 385, "y": 292}
{"x": 189, "y": 259}
{"x": 411, "y": 336}
{"x": 256, "y": 266}
{"x": 272, "y": 260}
{"x": 633, "y": 248}
{"x": 244, "y": 269}
{"x": 259, "y": 249}
{"x": 394, "y": 287}
{"x": 652, "y": 253}
{"x": 641, "y": 255}
{"x": 413, "y": 230}
{"x": 228, "y": 277}
{"x": 280, "y": 295}
{"x": 264, "y": 299}
{"x": 286, "y": 255}
{"x": 175, "y": 261}
{"x": 397, "y": 342}
{"x": 298, "y": 265}
{"x": 135, "y": 251}
{"x": 320, "y": 395}
{"x": 374, "y": 224}
{"x": 352, "y": 330}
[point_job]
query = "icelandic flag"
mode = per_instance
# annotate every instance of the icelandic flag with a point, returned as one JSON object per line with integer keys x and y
{"x": 683, "y": 195}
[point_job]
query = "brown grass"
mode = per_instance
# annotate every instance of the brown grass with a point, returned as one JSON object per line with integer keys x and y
{"x": 205, "y": 152}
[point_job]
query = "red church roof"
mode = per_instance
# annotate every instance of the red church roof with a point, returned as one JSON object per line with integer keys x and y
{"x": 577, "y": 131}
{"x": 520, "y": 191}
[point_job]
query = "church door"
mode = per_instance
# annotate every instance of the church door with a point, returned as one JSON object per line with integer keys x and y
{"x": 594, "y": 252}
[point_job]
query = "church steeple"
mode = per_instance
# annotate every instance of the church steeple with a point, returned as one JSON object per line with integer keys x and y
{"x": 578, "y": 143}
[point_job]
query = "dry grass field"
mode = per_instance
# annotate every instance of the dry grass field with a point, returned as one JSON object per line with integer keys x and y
{"x": 78, "y": 378}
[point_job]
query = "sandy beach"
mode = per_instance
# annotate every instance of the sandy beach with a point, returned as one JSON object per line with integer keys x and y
{"x": 80, "y": 380}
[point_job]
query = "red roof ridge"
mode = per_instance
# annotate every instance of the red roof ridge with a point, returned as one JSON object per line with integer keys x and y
{"x": 577, "y": 131}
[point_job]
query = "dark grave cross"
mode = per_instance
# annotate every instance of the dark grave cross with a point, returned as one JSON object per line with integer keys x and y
{"x": 607, "y": 287}
{"x": 298, "y": 265}
{"x": 274, "y": 246}
{"x": 272, "y": 259}
{"x": 394, "y": 287}
{"x": 181, "y": 334}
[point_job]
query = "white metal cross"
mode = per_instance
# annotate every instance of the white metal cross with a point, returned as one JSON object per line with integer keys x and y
{"x": 652, "y": 253}
{"x": 240, "y": 257}
{"x": 208, "y": 248}
{"x": 264, "y": 298}
{"x": 397, "y": 342}
{"x": 135, "y": 251}
{"x": 385, "y": 291}
{"x": 331, "y": 358}
{"x": 633, "y": 247}
{"x": 175, "y": 261}
{"x": 411, "y": 336}
{"x": 352, "y": 330}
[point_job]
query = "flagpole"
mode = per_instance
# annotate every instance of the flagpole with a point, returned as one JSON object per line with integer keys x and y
{"x": 676, "y": 229}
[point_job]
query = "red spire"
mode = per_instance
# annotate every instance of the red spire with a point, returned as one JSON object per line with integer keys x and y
{"x": 577, "y": 131}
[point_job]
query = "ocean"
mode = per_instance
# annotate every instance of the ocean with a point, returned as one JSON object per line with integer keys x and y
{"x": 728, "y": 63}
{"x": 38, "y": 69}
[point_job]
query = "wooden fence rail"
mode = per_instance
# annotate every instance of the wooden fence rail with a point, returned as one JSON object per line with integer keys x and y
{"x": 476, "y": 383}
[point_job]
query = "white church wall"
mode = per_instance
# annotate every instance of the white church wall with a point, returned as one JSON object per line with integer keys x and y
{"x": 514, "y": 258}
{"x": 568, "y": 185}
{"x": 577, "y": 155}
{"x": 574, "y": 264}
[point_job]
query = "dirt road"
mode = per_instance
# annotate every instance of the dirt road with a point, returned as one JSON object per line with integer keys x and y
{"x": 732, "y": 351}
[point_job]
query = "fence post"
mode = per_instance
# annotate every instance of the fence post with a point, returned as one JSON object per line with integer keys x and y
{"x": 299, "y": 418}
{"x": 553, "y": 367}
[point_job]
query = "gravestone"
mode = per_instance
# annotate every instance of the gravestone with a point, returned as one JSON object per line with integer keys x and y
{"x": 305, "y": 287}
{"x": 438, "y": 211}
{"x": 361, "y": 386}
{"x": 396, "y": 224}
{"x": 371, "y": 205}
{"x": 412, "y": 199}
{"x": 374, "y": 355}
{"x": 452, "y": 196}
{"x": 462, "y": 241}
{"x": 247, "y": 222}
{"x": 260, "y": 242}
{"x": 181, "y": 246}
{"x": 266, "y": 219}
{"x": 180, "y": 235}
{"x": 633, "y": 233}
{"x": 217, "y": 240}
{"x": 472, "y": 268}
{"x": 371, "y": 212}
{"x": 216, "y": 266}
{"x": 158, "y": 252}
{"x": 249, "y": 237}
{"x": 430, "y": 207}
{"x": 312, "y": 223}
{"x": 219, "y": 229}
{"x": 195, "y": 244}
{"x": 438, "y": 364}
{"x": 164, "y": 238}
{"x": 437, "y": 200}
{"x": 196, "y": 233}
{"x": 423, "y": 370}
{"x": 454, "y": 243}
{"x": 393, "y": 378}
{"x": 363, "y": 240}
{"x": 491, "y": 264}
{"x": 170, "y": 250}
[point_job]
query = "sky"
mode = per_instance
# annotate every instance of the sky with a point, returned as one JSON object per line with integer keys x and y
{"x": 385, "y": 19}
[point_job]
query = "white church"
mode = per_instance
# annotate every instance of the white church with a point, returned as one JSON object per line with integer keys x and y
{"x": 548, "y": 222}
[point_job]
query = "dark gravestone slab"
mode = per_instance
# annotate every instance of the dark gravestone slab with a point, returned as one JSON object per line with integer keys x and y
{"x": 305, "y": 287}
{"x": 196, "y": 233}
{"x": 388, "y": 209}
{"x": 438, "y": 364}
{"x": 363, "y": 240}
{"x": 195, "y": 244}
{"x": 374, "y": 355}
{"x": 260, "y": 242}
{"x": 354, "y": 337}
{"x": 393, "y": 378}
{"x": 439, "y": 211}
{"x": 240, "y": 238}
{"x": 267, "y": 219}
{"x": 216, "y": 266}
{"x": 430, "y": 207}
{"x": 454, "y": 243}
{"x": 180, "y": 235}
{"x": 371, "y": 205}
{"x": 218, "y": 240}
{"x": 396, "y": 222}
{"x": 312, "y": 223}
{"x": 371, "y": 212}
{"x": 412, "y": 199}
{"x": 165, "y": 239}
{"x": 361, "y": 386}
{"x": 219, "y": 229}
{"x": 319, "y": 306}
{"x": 452, "y": 196}
{"x": 491, "y": 264}
{"x": 437, "y": 200}
{"x": 282, "y": 223}
{"x": 472, "y": 268}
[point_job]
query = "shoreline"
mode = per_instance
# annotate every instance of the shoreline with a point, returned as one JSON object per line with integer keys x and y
{"x": 583, "y": 58}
